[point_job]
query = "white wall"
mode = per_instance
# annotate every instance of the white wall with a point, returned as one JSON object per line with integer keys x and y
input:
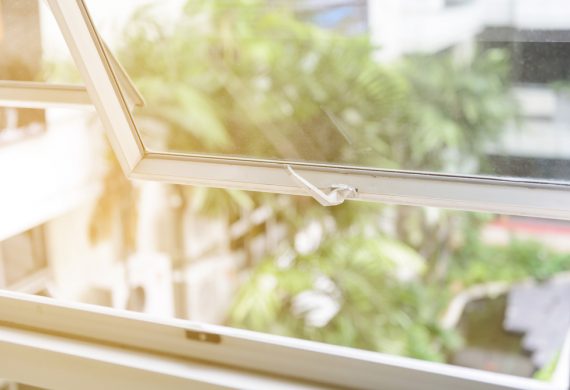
{"x": 402, "y": 27}
{"x": 76, "y": 264}
{"x": 528, "y": 14}
{"x": 48, "y": 174}
{"x": 415, "y": 26}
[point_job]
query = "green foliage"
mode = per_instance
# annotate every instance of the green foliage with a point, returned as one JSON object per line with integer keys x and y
{"x": 458, "y": 107}
{"x": 375, "y": 308}
{"x": 518, "y": 260}
{"x": 262, "y": 85}
{"x": 245, "y": 79}
{"x": 242, "y": 78}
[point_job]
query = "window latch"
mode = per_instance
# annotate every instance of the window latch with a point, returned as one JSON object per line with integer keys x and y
{"x": 336, "y": 194}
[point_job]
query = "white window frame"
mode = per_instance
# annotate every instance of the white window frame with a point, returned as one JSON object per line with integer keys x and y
{"x": 99, "y": 347}
{"x": 80, "y": 346}
{"x": 113, "y": 95}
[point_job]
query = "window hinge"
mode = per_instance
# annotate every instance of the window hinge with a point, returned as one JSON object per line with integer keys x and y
{"x": 336, "y": 195}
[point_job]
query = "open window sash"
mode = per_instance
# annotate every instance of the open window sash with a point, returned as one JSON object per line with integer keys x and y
{"x": 113, "y": 99}
{"x": 109, "y": 88}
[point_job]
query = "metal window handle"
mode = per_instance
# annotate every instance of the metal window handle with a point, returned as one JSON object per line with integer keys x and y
{"x": 337, "y": 194}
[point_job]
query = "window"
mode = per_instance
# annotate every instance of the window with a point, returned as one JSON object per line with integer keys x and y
{"x": 291, "y": 173}
{"x": 299, "y": 160}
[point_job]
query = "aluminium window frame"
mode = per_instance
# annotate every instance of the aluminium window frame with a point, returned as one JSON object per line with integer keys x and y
{"x": 58, "y": 336}
{"x": 99, "y": 69}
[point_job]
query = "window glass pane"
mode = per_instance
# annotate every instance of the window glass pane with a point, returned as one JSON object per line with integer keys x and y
{"x": 31, "y": 45}
{"x": 476, "y": 290}
{"x": 462, "y": 87}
